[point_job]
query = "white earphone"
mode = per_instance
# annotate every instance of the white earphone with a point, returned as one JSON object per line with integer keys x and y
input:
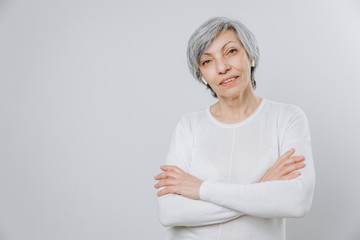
{"x": 203, "y": 80}
{"x": 253, "y": 63}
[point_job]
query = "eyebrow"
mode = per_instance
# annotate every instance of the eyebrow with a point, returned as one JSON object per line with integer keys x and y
{"x": 221, "y": 48}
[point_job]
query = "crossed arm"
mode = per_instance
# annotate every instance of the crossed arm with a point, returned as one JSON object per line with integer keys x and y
{"x": 185, "y": 200}
{"x": 180, "y": 200}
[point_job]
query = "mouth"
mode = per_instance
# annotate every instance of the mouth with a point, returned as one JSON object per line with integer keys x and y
{"x": 229, "y": 81}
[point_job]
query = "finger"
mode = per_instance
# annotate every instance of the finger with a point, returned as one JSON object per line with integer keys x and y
{"x": 162, "y": 192}
{"x": 288, "y": 153}
{"x": 296, "y": 159}
{"x": 165, "y": 183}
{"x": 293, "y": 167}
{"x": 290, "y": 176}
{"x": 161, "y": 176}
{"x": 166, "y": 174}
{"x": 171, "y": 168}
{"x": 165, "y": 191}
{"x": 284, "y": 157}
{"x": 166, "y": 167}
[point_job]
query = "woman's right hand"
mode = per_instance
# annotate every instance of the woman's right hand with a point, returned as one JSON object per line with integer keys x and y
{"x": 285, "y": 167}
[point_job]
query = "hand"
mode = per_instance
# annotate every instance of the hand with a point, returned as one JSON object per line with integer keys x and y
{"x": 284, "y": 167}
{"x": 175, "y": 180}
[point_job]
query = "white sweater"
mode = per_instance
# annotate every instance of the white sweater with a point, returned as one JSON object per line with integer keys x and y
{"x": 231, "y": 159}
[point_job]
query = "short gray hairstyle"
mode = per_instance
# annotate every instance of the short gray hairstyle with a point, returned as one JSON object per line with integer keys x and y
{"x": 201, "y": 39}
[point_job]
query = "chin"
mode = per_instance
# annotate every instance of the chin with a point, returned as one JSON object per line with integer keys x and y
{"x": 230, "y": 94}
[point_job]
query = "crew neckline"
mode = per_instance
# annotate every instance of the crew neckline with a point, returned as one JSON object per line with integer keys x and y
{"x": 230, "y": 125}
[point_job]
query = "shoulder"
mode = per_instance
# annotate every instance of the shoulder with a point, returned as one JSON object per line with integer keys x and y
{"x": 188, "y": 122}
{"x": 190, "y": 119}
{"x": 291, "y": 119}
{"x": 285, "y": 110}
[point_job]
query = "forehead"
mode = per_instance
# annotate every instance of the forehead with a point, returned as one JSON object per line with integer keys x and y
{"x": 224, "y": 38}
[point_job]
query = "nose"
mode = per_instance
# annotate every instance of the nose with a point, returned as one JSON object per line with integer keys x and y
{"x": 222, "y": 66}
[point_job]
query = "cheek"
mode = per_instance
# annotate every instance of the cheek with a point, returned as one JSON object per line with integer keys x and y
{"x": 241, "y": 61}
{"x": 243, "y": 65}
{"x": 208, "y": 74}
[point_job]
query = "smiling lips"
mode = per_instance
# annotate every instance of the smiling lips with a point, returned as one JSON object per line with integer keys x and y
{"x": 229, "y": 80}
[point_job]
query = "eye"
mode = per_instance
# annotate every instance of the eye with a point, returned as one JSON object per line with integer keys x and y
{"x": 232, "y": 51}
{"x": 205, "y": 62}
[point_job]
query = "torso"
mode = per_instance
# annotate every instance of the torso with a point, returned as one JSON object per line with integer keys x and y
{"x": 238, "y": 153}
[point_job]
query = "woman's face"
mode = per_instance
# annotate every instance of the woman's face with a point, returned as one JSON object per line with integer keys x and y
{"x": 226, "y": 59}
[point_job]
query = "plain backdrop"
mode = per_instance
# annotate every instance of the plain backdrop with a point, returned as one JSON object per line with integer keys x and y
{"x": 90, "y": 92}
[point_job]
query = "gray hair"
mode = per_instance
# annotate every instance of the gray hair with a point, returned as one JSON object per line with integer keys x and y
{"x": 201, "y": 39}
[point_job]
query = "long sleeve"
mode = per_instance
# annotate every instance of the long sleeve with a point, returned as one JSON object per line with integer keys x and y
{"x": 176, "y": 210}
{"x": 287, "y": 198}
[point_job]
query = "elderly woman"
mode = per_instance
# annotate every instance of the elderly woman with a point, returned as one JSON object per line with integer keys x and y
{"x": 231, "y": 171}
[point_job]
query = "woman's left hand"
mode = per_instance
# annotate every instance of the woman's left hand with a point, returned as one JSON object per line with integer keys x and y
{"x": 175, "y": 180}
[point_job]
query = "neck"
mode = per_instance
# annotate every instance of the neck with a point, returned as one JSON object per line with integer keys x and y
{"x": 235, "y": 109}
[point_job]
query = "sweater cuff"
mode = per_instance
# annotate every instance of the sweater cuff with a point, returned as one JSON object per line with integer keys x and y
{"x": 204, "y": 189}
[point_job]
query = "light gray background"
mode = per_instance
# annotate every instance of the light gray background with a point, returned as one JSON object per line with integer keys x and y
{"x": 90, "y": 91}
